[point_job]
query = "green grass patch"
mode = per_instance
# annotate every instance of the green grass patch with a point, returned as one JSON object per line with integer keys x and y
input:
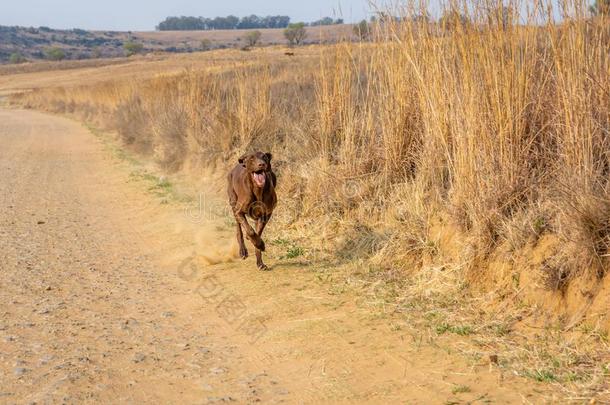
{"x": 462, "y": 330}
{"x": 158, "y": 185}
{"x": 292, "y": 250}
{"x": 280, "y": 242}
{"x": 501, "y": 329}
{"x": 112, "y": 147}
{"x": 460, "y": 389}
{"x": 541, "y": 375}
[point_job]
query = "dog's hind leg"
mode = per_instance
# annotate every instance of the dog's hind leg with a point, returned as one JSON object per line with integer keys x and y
{"x": 243, "y": 252}
{"x": 260, "y": 227}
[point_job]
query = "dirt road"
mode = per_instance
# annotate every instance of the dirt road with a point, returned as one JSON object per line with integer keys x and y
{"x": 108, "y": 296}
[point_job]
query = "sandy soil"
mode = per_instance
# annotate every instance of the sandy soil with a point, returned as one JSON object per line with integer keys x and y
{"x": 108, "y": 296}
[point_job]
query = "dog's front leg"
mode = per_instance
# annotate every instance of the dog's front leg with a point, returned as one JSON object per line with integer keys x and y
{"x": 256, "y": 240}
{"x": 243, "y": 252}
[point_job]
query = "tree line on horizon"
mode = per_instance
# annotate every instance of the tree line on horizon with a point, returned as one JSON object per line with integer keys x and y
{"x": 231, "y": 22}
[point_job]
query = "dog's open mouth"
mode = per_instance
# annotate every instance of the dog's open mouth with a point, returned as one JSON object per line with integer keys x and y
{"x": 259, "y": 178}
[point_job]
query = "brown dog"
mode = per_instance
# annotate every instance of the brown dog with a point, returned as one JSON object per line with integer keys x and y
{"x": 252, "y": 192}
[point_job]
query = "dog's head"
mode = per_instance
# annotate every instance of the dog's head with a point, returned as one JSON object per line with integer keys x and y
{"x": 257, "y": 164}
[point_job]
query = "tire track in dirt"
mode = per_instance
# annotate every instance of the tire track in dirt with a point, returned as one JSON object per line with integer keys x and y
{"x": 108, "y": 296}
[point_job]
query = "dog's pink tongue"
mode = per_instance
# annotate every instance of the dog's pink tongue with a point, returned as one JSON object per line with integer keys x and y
{"x": 259, "y": 179}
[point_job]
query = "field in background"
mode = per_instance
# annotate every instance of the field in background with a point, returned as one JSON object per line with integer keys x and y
{"x": 233, "y": 38}
{"x": 32, "y": 43}
{"x": 75, "y": 73}
{"x": 463, "y": 173}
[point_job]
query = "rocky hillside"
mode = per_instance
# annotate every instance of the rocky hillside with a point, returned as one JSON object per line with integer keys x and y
{"x": 35, "y": 43}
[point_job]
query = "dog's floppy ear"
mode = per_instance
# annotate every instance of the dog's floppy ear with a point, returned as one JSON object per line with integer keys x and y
{"x": 269, "y": 156}
{"x": 242, "y": 159}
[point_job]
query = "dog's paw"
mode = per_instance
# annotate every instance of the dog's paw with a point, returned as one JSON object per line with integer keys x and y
{"x": 263, "y": 267}
{"x": 243, "y": 253}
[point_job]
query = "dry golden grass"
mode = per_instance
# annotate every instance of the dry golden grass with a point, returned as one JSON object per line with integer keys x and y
{"x": 67, "y": 65}
{"x": 468, "y": 165}
{"x": 43, "y": 75}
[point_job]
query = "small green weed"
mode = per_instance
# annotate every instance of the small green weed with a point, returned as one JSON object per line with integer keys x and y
{"x": 541, "y": 375}
{"x": 460, "y": 389}
{"x": 292, "y": 250}
{"x": 462, "y": 330}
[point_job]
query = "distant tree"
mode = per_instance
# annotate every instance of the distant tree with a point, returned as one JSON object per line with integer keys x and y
{"x": 55, "y": 54}
{"x": 600, "y": 7}
{"x": 381, "y": 16}
{"x": 423, "y": 18}
{"x": 295, "y": 33}
{"x": 323, "y": 21}
{"x": 231, "y": 22}
{"x": 96, "y": 52}
{"x": 131, "y": 48}
{"x": 251, "y": 21}
{"x": 253, "y": 37}
{"x": 268, "y": 22}
{"x": 181, "y": 24}
{"x": 17, "y": 58}
{"x": 206, "y": 44}
{"x": 362, "y": 30}
{"x": 275, "y": 21}
{"x": 501, "y": 16}
{"x": 222, "y": 23}
{"x": 283, "y": 22}
{"x": 452, "y": 19}
{"x": 326, "y": 21}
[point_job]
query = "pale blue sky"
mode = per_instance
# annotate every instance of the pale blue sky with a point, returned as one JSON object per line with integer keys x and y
{"x": 144, "y": 15}
{"x": 138, "y": 15}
